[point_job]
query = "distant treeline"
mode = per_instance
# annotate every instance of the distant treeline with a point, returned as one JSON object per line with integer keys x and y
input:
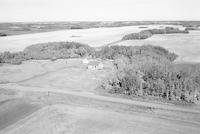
{"x": 144, "y": 34}
{"x": 192, "y": 28}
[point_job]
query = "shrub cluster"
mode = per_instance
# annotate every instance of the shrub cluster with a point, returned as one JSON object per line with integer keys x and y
{"x": 115, "y": 52}
{"x": 144, "y": 34}
{"x": 192, "y": 28}
{"x": 58, "y": 50}
{"x": 76, "y": 27}
{"x": 167, "y": 30}
{"x": 13, "y": 58}
{"x": 143, "y": 27}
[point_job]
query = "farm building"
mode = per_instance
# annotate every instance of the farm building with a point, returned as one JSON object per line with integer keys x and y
{"x": 53, "y": 59}
{"x": 85, "y": 61}
{"x": 95, "y": 65}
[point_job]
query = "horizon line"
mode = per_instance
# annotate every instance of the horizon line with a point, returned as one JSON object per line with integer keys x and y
{"x": 101, "y": 21}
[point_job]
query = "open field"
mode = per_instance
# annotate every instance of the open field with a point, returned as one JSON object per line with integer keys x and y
{"x": 72, "y": 75}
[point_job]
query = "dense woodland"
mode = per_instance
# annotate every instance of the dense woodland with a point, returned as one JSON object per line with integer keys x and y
{"x": 150, "y": 71}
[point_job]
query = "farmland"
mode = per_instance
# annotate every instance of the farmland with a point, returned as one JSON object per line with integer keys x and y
{"x": 64, "y": 96}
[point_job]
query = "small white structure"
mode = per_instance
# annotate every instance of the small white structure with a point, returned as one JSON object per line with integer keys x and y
{"x": 53, "y": 59}
{"x": 85, "y": 61}
{"x": 95, "y": 65}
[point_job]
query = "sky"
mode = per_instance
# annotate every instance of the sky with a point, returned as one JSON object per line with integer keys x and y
{"x": 98, "y": 10}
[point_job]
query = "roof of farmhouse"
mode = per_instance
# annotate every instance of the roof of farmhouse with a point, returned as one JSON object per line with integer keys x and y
{"x": 94, "y": 63}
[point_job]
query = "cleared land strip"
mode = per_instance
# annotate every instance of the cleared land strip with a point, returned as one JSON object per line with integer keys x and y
{"x": 103, "y": 98}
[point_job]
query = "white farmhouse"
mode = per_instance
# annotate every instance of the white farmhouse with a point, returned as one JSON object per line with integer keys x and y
{"x": 85, "y": 61}
{"x": 95, "y": 65}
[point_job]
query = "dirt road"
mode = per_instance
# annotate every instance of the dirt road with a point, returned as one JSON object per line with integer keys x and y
{"x": 85, "y": 113}
{"x": 99, "y": 97}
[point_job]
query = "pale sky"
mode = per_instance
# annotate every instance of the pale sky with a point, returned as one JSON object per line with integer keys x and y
{"x": 98, "y": 10}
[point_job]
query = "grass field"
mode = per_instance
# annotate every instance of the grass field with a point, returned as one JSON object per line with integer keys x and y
{"x": 72, "y": 75}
